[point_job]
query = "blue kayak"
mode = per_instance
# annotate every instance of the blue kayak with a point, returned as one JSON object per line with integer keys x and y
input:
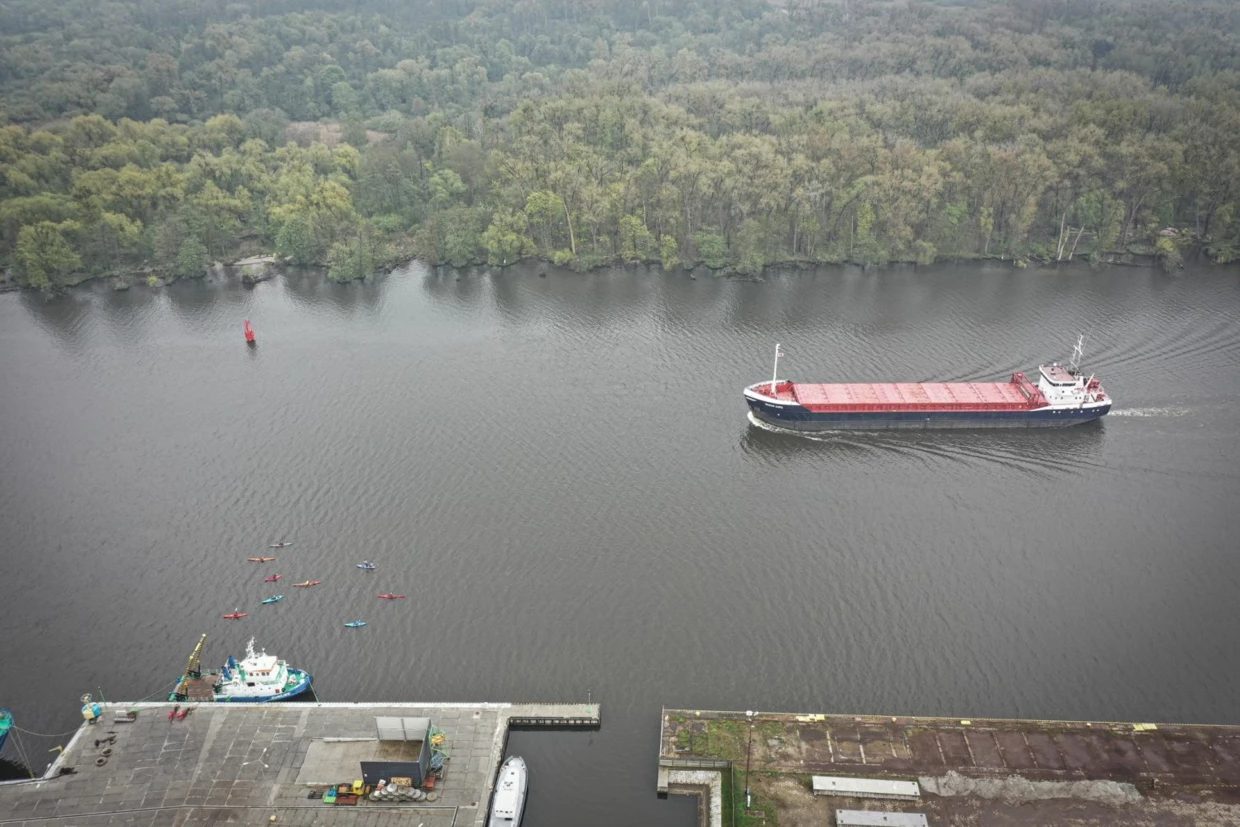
{"x": 353, "y": 624}
{"x": 275, "y": 598}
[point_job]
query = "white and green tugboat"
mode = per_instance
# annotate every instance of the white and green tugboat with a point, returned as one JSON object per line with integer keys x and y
{"x": 260, "y": 677}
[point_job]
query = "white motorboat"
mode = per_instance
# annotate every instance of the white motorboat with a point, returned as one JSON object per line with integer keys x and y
{"x": 508, "y": 803}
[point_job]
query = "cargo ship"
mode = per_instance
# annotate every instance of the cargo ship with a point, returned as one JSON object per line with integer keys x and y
{"x": 1063, "y": 395}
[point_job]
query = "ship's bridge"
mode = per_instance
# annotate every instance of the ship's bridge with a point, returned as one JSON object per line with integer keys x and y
{"x": 1057, "y": 374}
{"x": 1062, "y": 386}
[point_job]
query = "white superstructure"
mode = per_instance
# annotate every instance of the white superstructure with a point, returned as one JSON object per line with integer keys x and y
{"x": 260, "y": 677}
{"x": 1068, "y": 387}
{"x": 508, "y": 802}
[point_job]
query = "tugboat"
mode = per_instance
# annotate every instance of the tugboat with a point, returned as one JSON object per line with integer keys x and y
{"x": 508, "y": 803}
{"x": 260, "y": 677}
{"x": 1063, "y": 395}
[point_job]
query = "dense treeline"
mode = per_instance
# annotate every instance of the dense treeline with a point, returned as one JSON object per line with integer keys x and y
{"x": 735, "y": 133}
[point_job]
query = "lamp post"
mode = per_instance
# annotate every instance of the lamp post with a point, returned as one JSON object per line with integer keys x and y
{"x": 748, "y": 752}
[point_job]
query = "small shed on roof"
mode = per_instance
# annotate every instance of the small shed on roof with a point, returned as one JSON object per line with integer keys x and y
{"x": 865, "y": 787}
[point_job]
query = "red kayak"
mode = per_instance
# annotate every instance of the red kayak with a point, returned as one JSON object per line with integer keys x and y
{"x": 391, "y": 597}
{"x": 235, "y": 615}
{"x": 273, "y": 578}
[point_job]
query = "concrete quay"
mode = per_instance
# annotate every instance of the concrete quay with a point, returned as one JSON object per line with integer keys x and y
{"x": 991, "y": 772}
{"x": 245, "y": 763}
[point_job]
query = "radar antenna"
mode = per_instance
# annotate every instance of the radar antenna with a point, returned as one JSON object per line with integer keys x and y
{"x": 1078, "y": 353}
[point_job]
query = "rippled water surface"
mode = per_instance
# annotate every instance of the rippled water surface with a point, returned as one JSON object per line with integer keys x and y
{"x": 560, "y": 474}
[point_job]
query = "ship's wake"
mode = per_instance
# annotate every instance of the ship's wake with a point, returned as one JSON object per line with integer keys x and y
{"x": 813, "y": 436}
{"x": 1150, "y": 412}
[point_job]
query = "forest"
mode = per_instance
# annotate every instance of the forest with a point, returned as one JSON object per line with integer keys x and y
{"x": 156, "y": 136}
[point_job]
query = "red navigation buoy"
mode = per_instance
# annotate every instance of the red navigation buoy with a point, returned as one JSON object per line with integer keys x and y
{"x": 249, "y": 333}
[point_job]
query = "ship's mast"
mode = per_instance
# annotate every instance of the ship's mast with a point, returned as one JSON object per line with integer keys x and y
{"x": 775, "y": 373}
{"x": 1078, "y": 353}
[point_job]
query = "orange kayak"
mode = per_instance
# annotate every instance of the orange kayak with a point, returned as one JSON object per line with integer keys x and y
{"x": 261, "y": 559}
{"x": 307, "y": 583}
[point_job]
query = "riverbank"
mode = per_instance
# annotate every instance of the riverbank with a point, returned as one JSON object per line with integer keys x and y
{"x": 258, "y": 268}
{"x": 970, "y": 771}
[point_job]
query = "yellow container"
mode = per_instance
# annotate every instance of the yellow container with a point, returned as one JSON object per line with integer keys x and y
{"x": 357, "y": 787}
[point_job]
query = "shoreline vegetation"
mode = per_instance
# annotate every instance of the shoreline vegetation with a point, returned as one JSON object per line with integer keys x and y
{"x": 144, "y": 141}
{"x": 258, "y": 268}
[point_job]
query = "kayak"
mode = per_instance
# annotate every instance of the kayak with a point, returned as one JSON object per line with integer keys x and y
{"x": 279, "y": 545}
{"x": 275, "y": 598}
{"x": 261, "y": 559}
{"x": 234, "y": 615}
{"x": 353, "y": 624}
{"x": 306, "y": 584}
{"x": 273, "y": 578}
{"x": 391, "y": 597}
{"x": 366, "y": 566}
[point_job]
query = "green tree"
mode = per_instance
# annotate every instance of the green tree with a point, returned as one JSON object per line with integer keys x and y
{"x": 750, "y": 256}
{"x": 506, "y": 240}
{"x": 636, "y": 242}
{"x": 351, "y": 260}
{"x": 463, "y": 240}
{"x": 110, "y": 240}
{"x": 669, "y": 253}
{"x": 545, "y": 211}
{"x": 191, "y": 259}
{"x": 713, "y": 248}
{"x": 44, "y": 256}
{"x": 298, "y": 241}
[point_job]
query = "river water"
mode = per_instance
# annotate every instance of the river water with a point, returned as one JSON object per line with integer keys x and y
{"x": 560, "y": 474}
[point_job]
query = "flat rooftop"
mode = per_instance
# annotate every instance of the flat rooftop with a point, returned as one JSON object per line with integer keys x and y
{"x": 1058, "y": 374}
{"x": 243, "y": 763}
